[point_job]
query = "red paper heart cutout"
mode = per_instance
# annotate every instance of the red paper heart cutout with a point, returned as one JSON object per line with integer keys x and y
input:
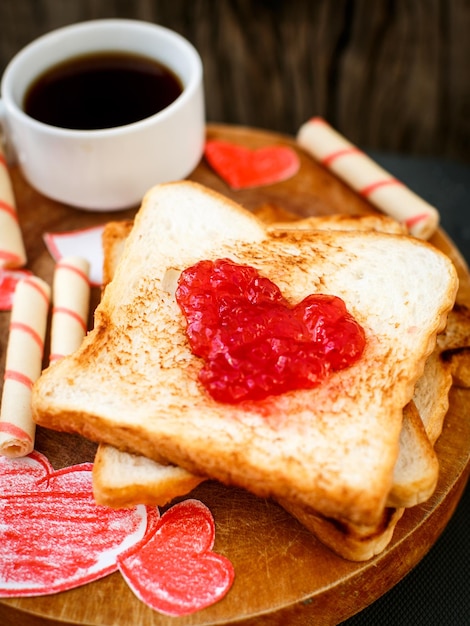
{"x": 174, "y": 569}
{"x": 53, "y": 536}
{"x": 8, "y": 281}
{"x": 242, "y": 168}
{"x": 255, "y": 343}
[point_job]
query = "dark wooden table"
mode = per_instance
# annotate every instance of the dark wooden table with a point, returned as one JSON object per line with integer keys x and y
{"x": 312, "y": 585}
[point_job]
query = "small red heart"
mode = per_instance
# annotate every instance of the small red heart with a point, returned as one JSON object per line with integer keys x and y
{"x": 174, "y": 569}
{"x": 242, "y": 168}
{"x": 8, "y": 282}
{"x": 53, "y": 536}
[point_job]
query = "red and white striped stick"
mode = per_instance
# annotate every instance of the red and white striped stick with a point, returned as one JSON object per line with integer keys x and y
{"x": 12, "y": 250}
{"x": 367, "y": 178}
{"x": 71, "y": 301}
{"x": 23, "y": 365}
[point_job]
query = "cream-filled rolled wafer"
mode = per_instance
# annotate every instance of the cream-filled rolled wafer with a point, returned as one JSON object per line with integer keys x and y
{"x": 23, "y": 365}
{"x": 12, "y": 250}
{"x": 71, "y": 301}
{"x": 368, "y": 178}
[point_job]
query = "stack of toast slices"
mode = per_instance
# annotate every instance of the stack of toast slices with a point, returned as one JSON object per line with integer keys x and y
{"x": 345, "y": 458}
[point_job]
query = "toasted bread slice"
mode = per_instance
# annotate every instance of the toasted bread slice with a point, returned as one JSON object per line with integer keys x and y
{"x": 278, "y": 217}
{"x": 133, "y": 383}
{"x": 416, "y": 469}
{"x": 456, "y": 334}
{"x": 378, "y": 223}
{"x": 349, "y": 541}
{"x": 432, "y": 394}
{"x": 122, "y": 479}
{"x": 454, "y": 345}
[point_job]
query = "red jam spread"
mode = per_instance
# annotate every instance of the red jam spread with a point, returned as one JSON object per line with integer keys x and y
{"x": 254, "y": 342}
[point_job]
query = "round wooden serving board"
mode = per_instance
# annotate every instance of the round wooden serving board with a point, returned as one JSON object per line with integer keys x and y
{"x": 283, "y": 573}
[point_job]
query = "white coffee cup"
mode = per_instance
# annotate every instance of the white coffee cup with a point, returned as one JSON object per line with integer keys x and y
{"x": 111, "y": 168}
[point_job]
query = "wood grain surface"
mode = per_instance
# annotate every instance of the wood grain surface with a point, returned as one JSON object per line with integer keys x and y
{"x": 389, "y": 75}
{"x": 283, "y": 574}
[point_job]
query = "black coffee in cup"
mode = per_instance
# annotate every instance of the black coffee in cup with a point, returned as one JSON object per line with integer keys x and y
{"x": 101, "y": 90}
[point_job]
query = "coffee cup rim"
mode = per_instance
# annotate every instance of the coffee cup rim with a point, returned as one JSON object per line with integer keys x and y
{"x": 53, "y": 37}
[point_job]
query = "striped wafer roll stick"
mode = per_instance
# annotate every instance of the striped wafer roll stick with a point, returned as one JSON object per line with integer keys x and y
{"x": 70, "y": 304}
{"x": 367, "y": 178}
{"x": 12, "y": 251}
{"x": 23, "y": 365}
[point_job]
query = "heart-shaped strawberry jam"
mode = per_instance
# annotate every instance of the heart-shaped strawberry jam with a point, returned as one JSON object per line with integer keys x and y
{"x": 255, "y": 343}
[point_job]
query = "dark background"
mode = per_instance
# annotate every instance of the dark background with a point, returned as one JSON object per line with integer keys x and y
{"x": 389, "y": 74}
{"x": 393, "y": 77}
